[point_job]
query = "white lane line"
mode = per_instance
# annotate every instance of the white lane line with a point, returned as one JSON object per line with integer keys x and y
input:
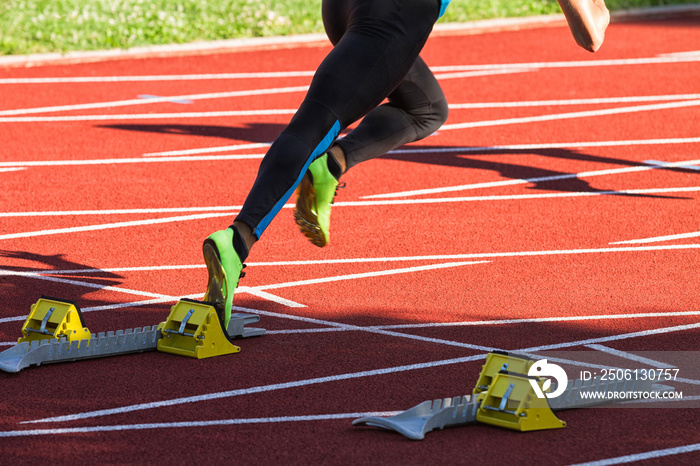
{"x": 66, "y": 281}
{"x": 377, "y": 201}
{"x": 572, "y": 64}
{"x": 129, "y": 160}
{"x": 643, "y": 333}
{"x": 107, "y": 226}
{"x": 473, "y": 74}
{"x": 569, "y": 115}
{"x": 336, "y": 378}
{"x": 259, "y": 291}
{"x": 664, "y": 164}
{"x": 134, "y": 223}
{"x": 643, "y": 456}
{"x": 217, "y": 114}
{"x": 147, "y": 268}
{"x": 364, "y": 260}
{"x": 542, "y": 179}
{"x": 355, "y": 276}
{"x": 39, "y": 274}
{"x": 229, "y": 76}
{"x": 146, "y": 116}
{"x": 208, "y": 150}
{"x": 129, "y": 102}
{"x": 253, "y": 390}
{"x": 188, "y": 424}
{"x": 108, "y": 307}
{"x": 690, "y": 53}
{"x": 12, "y": 169}
{"x": 560, "y": 102}
{"x": 630, "y": 356}
{"x": 157, "y": 78}
{"x": 640, "y": 315}
{"x": 167, "y": 210}
{"x": 693, "y": 234}
{"x": 479, "y": 323}
{"x": 189, "y": 155}
{"x": 413, "y": 149}
{"x": 174, "y": 101}
{"x": 334, "y": 326}
{"x": 269, "y": 296}
{"x": 513, "y": 197}
{"x": 273, "y": 112}
{"x": 664, "y": 58}
{"x": 349, "y": 327}
{"x": 341, "y": 328}
{"x": 240, "y": 421}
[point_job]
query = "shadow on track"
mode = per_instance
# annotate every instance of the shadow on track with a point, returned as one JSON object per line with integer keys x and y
{"x": 436, "y": 155}
{"x": 251, "y": 132}
{"x": 463, "y": 158}
{"x": 24, "y": 291}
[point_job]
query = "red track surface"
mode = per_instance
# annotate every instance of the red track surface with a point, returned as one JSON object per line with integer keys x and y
{"x": 502, "y": 256}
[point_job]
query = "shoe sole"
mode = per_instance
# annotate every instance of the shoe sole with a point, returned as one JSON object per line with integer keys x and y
{"x": 217, "y": 276}
{"x": 304, "y": 216}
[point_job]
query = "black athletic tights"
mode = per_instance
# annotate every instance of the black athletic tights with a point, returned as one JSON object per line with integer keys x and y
{"x": 375, "y": 56}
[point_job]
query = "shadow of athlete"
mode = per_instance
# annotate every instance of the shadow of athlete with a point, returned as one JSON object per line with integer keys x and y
{"x": 54, "y": 262}
{"x": 252, "y": 132}
{"x": 561, "y": 181}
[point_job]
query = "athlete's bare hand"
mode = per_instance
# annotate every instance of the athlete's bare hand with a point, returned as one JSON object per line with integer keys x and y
{"x": 588, "y": 20}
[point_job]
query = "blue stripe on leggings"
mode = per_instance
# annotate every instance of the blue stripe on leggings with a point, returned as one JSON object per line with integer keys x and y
{"x": 443, "y": 7}
{"x": 319, "y": 150}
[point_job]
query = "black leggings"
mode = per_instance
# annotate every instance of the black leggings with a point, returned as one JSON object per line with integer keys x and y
{"x": 375, "y": 56}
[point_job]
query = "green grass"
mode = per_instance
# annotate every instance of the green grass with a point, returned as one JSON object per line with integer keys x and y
{"x": 470, "y": 10}
{"x": 39, "y": 26}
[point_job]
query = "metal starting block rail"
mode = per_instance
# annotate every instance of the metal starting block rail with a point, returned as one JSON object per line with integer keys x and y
{"x": 54, "y": 332}
{"x": 506, "y": 399}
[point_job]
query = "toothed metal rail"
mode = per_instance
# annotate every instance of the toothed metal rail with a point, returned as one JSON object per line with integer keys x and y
{"x": 69, "y": 341}
{"x": 35, "y": 353}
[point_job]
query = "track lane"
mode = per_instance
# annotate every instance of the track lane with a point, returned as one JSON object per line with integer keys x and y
{"x": 636, "y": 281}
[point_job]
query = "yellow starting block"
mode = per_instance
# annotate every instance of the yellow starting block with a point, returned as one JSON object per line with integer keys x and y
{"x": 193, "y": 329}
{"x": 50, "y": 319}
{"x": 511, "y": 402}
{"x": 504, "y": 398}
{"x": 497, "y": 361}
{"x": 54, "y": 332}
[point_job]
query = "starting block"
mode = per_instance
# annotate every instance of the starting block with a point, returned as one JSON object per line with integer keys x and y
{"x": 50, "y": 319}
{"x": 193, "y": 329}
{"x": 55, "y": 332}
{"x": 496, "y": 362}
{"x": 511, "y": 402}
{"x": 504, "y": 398}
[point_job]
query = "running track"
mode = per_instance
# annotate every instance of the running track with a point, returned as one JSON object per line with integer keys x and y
{"x": 557, "y": 209}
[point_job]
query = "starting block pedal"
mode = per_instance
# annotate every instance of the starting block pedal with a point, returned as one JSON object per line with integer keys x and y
{"x": 50, "y": 319}
{"x": 193, "y": 329}
{"x": 511, "y": 402}
{"x": 55, "y": 332}
{"x": 496, "y": 362}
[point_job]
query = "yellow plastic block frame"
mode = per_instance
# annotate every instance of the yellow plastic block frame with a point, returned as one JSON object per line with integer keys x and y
{"x": 50, "y": 318}
{"x": 496, "y": 362}
{"x": 511, "y": 402}
{"x": 193, "y": 329}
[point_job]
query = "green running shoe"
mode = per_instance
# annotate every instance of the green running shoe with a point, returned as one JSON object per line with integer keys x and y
{"x": 314, "y": 198}
{"x": 225, "y": 269}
